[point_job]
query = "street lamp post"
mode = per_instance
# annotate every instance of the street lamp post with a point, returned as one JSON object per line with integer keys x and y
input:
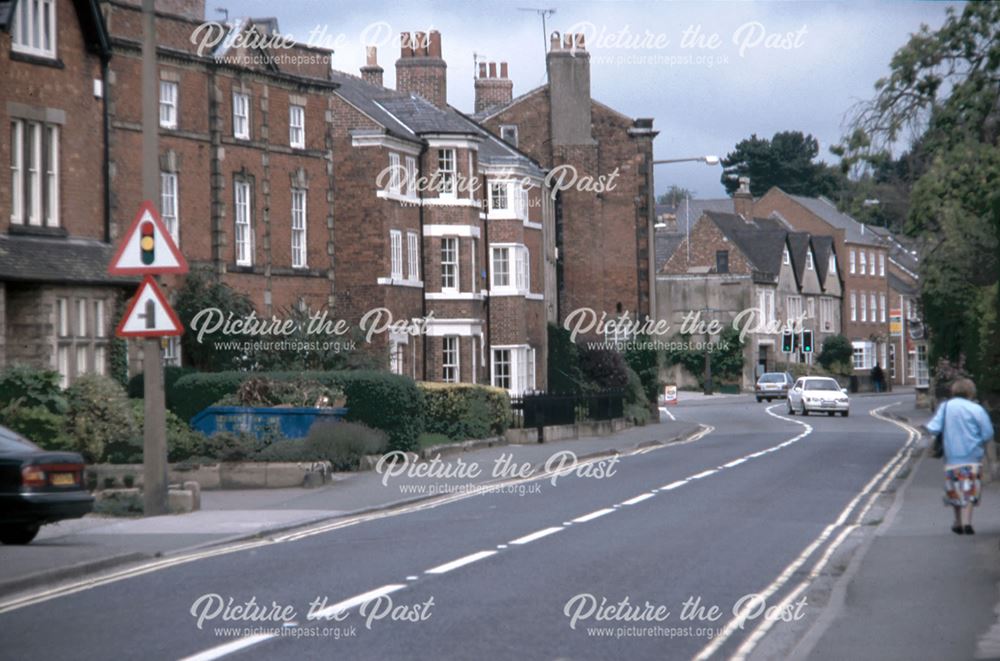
{"x": 707, "y": 160}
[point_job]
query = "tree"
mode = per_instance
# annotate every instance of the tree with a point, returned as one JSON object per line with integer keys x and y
{"x": 837, "y": 353}
{"x": 203, "y": 291}
{"x": 943, "y": 96}
{"x": 674, "y": 196}
{"x": 787, "y": 160}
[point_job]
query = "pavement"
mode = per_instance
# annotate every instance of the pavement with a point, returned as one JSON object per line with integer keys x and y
{"x": 917, "y": 591}
{"x": 77, "y": 547}
{"x": 510, "y": 574}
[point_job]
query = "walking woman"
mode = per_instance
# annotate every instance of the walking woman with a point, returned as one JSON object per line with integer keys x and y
{"x": 967, "y": 428}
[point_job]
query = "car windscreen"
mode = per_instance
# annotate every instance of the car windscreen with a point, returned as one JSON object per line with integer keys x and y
{"x": 11, "y": 442}
{"x": 772, "y": 378}
{"x": 822, "y": 384}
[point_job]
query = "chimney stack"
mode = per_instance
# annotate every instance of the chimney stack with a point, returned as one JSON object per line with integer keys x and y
{"x": 568, "y": 64}
{"x": 743, "y": 200}
{"x": 420, "y": 68}
{"x": 493, "y": 90}
{"x": 372, "y": 72}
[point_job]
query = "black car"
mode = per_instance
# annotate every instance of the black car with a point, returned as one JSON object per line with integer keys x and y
{"x": 37, "y": 487}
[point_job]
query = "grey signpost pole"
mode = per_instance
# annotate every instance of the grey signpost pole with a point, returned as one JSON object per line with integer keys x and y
{"x": 154, "y": 433}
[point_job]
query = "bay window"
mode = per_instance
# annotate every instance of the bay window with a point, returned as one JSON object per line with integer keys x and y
{"x": 510, "y": 270}
{"x": 446, "y": 172}
{"x": 449, "y": 359}
{"x": 513, "y": 368}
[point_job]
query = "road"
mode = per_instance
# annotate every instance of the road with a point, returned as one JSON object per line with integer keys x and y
{"x": 751, "y": 507}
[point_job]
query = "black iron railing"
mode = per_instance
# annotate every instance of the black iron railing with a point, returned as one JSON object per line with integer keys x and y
{"x": 544, "y": 409}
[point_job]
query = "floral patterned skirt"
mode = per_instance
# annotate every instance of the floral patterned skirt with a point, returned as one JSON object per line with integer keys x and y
{"x": 962, "y": 484}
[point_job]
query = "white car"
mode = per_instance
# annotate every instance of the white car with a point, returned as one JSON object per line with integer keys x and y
{"x": 818, "y": 394}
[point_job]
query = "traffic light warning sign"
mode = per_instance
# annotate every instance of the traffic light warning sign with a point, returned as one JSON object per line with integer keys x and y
{"x": 147, "y": 248}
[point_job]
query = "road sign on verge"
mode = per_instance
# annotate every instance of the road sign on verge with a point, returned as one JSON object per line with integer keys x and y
{"x": 149, "y": 314}
{"x": 147, "y": 248}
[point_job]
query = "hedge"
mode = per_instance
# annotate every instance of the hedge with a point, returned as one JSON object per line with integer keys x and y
{"x": 380, "y": 400}
{"x": 462, "y": 412}
{"x": 171, "y": 373}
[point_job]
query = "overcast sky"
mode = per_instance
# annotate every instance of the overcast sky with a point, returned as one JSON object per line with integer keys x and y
{"x": 704, "y": 98}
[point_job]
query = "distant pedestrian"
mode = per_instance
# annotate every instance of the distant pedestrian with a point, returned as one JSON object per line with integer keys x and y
{"x": 967, "y": 428}
{"x": 878, "y": 378}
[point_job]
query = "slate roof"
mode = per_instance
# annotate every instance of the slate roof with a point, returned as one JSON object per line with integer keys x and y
{"x": 799, "y": 244}
{"x": 854, "y": 232}
{"x": 763, "y": 247}
{"x": 58, "y": 259}
{"x": 897, "y": 284}
{"x": 667, "y": 239}
{"x": 6, "y": 13}
{"x": 822, "y": 247}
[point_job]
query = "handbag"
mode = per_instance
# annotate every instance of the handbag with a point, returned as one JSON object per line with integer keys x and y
{"x": 937, "y": 449}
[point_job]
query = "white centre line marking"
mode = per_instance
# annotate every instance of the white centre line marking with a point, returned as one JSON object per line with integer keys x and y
{"x": 673, "y": 485}
{"x": 638, "y": 499}
{"x": 711, "y": 471}
{"x": 461, "y": 562}
{"x": 348, "y": 604}
{"x": 228, "y": 648}
{"x": 735, "y": 462}
{"x": 536, "y": 535}
{"x": 593, "y": 515}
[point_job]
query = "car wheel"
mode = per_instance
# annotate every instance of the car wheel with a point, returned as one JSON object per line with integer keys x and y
{"x": 791, "y": 411}
{"x": 759, "y": 399}
{"x": 845, "y": 413}
{"x": 805, "y": 411}
{"x": 22, "y": 534}
{"x": 830, "y": 413}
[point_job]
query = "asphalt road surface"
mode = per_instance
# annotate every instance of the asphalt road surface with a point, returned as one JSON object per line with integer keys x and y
{"x": 538, "y": 571}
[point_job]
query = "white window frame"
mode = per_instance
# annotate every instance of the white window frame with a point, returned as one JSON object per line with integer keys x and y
{"x": 17, "y": 171}
{"x": 81, "y": 359}
{"x": 241, "y": 115}
{"x": 168, "y": 104}
{"x": 450, "y": 246}
{"x": 473, "y": 249}
{"x": 243, "y": 223}
{"x": 501, "y": 356}
{"x": 499, "y": 198}
{"x": 507, "y": 127}
{"x": 881, "y": 298}
{"x": 515, "y": 278}
{"x": 786, "y": 258}
{"x": 873, "y": 306}
{"x": 446, "y": 172}
{"x": 411, "y": 176}
{"x": 864, "y": 263}
{"x": 853, "y": 259}
{"x": 519, "y": 361}
{"x": 23, "y": 26}
{"x": 395, "y": 176}
{"x": 811, "y": 307}
{"x": 297, "y": 126}
{"x": 765, "y": 305}
{"x": 881, "y": 264}
{"x": 100, "y": 327}
{"x": 62, "y": 317}
{"x": 862, "y": 354}
{"x": 832, "y": 266}
{"x": 864, "y": 306}
{"x": 299, "y": 236}
{"x": 809, "y": 260}
{"x": 62, "y": 365}
{"x": 169, "y": 204}
{"x": 413, "y": 256}
{"x": 101, "y": 359}
{"x": 81, "y": 317}
{"x": 41, "y": 207}
{"x": 854, "y": 307}
{"x": 396, "y": 254}
{"x": 396, "y": 356}
{"x": 451, "y": 359}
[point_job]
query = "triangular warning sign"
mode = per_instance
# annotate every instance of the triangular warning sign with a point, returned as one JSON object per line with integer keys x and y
{"x": 149, "y": 314}
{"x": 147, "y": 248}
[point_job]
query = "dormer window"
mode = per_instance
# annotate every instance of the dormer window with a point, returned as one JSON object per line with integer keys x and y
{"x": 809, "y": 261}
{"x": 508, "y": 133}
{"x": 785, "y": 257}
{"x": 33, "y": 30}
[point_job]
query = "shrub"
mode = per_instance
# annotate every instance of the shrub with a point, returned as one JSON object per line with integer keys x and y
{"x": 285, "y": 450}
{"x": 36, "y": 423}
{"x": 645, "y": 362}
{"x": 564, "y": 373}
{"x": 264, "y": 391}
{"x": 380, "y": 400}
{"x": 99, "y": 415}
{"x": 604, "y": 368}
{"x": 229, "y": 446}
{"x": 171, "y": 373}
{"x": 343, "y": 444}
{"x": 201, "y": 291}
{"x": 182, "y": 441}
{"x": 462, "y": 412}
{"x": 837, "y": 350}
{"x": 639, "y": 415}
{"x": 635, "y": 392}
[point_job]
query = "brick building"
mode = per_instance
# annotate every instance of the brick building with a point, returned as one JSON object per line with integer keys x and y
{"x": 299, "y": 186}
{"x": 727, "y": 264}
{"x": 56, "y": 299}
{"x": 861, "y": 259}
{"x": 603, "y": 237}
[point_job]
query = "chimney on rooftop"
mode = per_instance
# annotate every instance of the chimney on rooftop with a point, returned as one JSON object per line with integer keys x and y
{"x": 493, "y": 88}
{"x": 420, "y": 68}
{"x": 568, "y": 66}
{"x": 743, "y": 200}
{"x": 372, "y": 72}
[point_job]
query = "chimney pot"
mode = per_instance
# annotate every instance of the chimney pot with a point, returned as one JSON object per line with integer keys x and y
{"x": 420, "y": 44}
{"x": 405, "y": 45}
{"x": 578, "y": 42}
{"x": 493, "y": 69}
{"x": 371, "y": 56}
{"x": 420, "y": 69}
{"x": 554, "y": 40}
{"x": 567, "y": 41}
{"x": 482, "y": 69}
{"x": 503, "y": 69}
{"x": 434, "y": 47}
